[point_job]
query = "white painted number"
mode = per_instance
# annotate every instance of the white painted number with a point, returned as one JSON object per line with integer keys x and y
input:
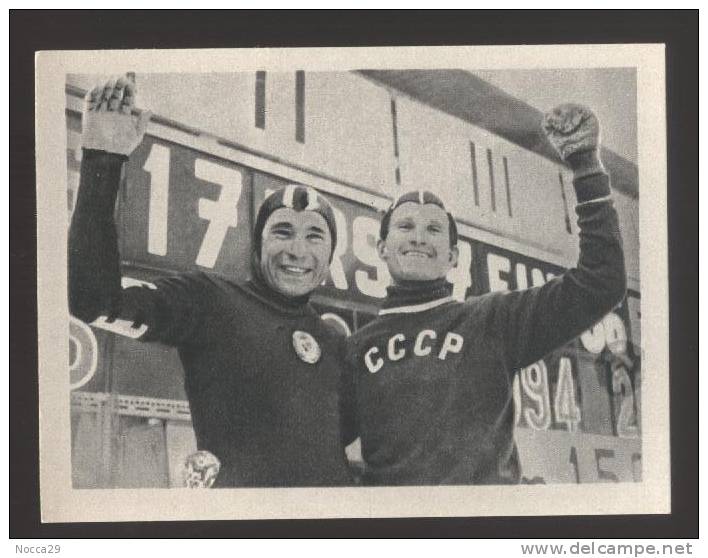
{"x": 158, "y": 165}
{"x": 622, "y": 386}
{"x": 516, "y": 391}
{"x": 222, "y": 213}
{"x": 460, "y": 276}
{"x": 564, "y": 401}
{"x": 534, "y": 381}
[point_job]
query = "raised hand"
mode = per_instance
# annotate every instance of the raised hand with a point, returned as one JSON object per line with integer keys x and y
{"x": 108, "y": 121}
{"x": 571, "y": 129}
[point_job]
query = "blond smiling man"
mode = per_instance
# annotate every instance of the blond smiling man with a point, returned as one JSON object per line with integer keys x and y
{"x": 431, "y": 378}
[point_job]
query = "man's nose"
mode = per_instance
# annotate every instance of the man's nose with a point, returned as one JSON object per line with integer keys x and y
{"x": 419, "y": 236}
{"x": 297, "y": 248}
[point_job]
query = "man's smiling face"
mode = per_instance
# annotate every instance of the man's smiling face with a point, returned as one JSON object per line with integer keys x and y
{"x": 295, "y": 251}
{"x": 417, "y": 247}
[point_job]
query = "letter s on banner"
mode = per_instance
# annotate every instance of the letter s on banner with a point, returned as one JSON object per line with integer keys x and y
{"x": 364, "y": 230}
{"x": 82, "y": 366}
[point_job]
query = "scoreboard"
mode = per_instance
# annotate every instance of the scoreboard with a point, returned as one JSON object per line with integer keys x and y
{"x": 577, "y": 411}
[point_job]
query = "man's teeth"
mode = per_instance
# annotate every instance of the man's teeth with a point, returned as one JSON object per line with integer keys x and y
{"x": 293, "y": 269}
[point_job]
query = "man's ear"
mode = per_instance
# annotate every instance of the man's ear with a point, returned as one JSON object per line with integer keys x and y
{"x": 454, "y": 256}
{"x": 382, "y": 249}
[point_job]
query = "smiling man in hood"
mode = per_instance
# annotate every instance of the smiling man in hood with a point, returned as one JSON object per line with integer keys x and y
{"x": 294, "y": 240}
{"x": 262, "y": 370}
{"x": 418, "y": 238}
{"x": 431, "y": 378}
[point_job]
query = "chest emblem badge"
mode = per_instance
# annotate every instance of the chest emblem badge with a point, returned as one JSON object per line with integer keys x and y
{"x": 306, "y": 347}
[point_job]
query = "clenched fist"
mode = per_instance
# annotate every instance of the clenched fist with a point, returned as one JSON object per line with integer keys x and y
{"x": 108, "y": 122}
{"x": 572, "y": 129}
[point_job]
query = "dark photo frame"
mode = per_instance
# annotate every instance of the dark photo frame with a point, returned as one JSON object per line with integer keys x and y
{"x": 31, "y": 32}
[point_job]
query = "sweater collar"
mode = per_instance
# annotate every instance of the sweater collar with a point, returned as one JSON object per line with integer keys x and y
{"x": 416, "y": 296}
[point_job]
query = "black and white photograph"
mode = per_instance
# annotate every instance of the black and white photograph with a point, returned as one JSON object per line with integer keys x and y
{"x": 373, "y": 282}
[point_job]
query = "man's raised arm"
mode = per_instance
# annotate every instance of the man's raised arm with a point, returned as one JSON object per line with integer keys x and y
{"x": 169, "y": 313}
{"x": 538, "y": 320}
{"x": 110, "y": 134}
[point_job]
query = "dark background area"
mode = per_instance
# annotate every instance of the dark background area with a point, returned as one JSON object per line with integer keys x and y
{"x": 31, "y": 31}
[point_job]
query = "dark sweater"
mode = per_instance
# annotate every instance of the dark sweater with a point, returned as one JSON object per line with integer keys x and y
{"x": 271, "y": 418}
{"x": 432, "y": 378}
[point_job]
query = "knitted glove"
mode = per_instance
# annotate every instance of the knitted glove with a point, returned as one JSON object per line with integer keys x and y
{"x": 574, "y": 132}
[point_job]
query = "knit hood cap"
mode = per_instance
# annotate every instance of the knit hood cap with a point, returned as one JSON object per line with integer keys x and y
{"x": 422, "y": 197}
{"x": 299, "y": 198}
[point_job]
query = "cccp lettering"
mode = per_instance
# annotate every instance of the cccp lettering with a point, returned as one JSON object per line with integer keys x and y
{"x": 422, "y": 345}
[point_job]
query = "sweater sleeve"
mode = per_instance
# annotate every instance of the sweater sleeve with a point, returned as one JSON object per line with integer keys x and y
{"x": 533, "y": 322}
{"x": 169, "y": 312}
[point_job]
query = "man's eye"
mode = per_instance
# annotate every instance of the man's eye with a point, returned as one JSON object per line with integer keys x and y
{"x": 405, "y": 226}
{"x": 435, "y": 229}
{"x": 280, "y": 233}
{"x": 315, "y": 237}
